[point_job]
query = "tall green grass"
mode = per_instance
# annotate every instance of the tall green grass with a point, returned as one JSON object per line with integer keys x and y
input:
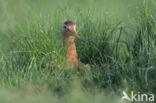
{"x": 122, "y": 47}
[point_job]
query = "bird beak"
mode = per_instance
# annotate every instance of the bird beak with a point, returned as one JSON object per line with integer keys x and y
{"x": 78, "y": 37}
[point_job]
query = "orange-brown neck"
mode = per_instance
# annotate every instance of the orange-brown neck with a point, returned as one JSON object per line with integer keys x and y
{"x": 71, "y": 53}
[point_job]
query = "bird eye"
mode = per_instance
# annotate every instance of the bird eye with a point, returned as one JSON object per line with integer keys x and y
{"x": 65, "y": 27}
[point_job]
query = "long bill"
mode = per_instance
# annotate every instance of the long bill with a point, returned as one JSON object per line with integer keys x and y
{"x": 78, "y": 37}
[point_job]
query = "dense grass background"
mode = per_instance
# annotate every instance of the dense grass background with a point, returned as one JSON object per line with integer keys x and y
{"x": 122, "y": 46}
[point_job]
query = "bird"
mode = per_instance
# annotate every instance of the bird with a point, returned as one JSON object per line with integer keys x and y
{"x": 69, "y": 34}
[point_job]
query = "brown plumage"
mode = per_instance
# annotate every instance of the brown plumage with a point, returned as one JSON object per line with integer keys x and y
{"x": 69, "y": 34}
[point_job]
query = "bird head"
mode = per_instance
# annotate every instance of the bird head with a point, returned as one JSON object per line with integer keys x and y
{"x": 69, "y": 29}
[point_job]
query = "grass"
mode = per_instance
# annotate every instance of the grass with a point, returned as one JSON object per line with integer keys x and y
{"x": 122, "y": 44}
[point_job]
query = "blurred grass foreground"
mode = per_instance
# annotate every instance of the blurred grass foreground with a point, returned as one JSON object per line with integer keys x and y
{"x": 121, "y": 36}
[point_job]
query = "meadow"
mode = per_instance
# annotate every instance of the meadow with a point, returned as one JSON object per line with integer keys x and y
{"x": 121, "y": 36}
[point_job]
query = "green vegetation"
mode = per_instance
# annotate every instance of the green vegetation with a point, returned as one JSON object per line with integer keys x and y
{"x": 122, "y": 48}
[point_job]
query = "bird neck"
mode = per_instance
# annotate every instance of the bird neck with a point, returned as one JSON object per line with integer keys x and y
{"x": 68, "y": 40}
{"x": 69, "y": 44}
